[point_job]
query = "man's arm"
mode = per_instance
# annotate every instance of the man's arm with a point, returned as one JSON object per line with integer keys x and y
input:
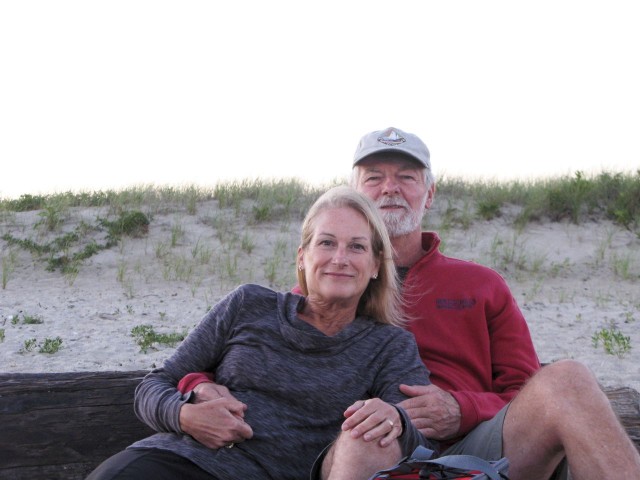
{"x": 483, "y": 367}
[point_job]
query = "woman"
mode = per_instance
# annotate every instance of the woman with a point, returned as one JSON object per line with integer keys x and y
{"x": 295, "y": 365}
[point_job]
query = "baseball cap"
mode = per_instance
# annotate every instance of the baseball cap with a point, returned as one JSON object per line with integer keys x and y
{"x": 393, "y": 140}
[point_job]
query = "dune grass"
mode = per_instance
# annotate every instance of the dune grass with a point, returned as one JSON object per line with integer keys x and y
{"x": 578, "y": 198}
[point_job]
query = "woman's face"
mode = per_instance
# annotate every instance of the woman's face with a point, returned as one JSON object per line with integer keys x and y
{"x": 339, "y": 261}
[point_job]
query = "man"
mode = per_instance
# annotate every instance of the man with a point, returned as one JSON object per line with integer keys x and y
{"x": 486, "y": 396}
{"x": 489, "y": 397}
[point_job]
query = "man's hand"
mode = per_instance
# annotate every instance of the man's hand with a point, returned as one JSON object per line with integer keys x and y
{"x": 210, "y": 391}
{"x": 432, "y": 410}
{"x": 215, "y": 423}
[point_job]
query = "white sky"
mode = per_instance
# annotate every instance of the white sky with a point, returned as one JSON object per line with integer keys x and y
{"x": 109, "y": 94}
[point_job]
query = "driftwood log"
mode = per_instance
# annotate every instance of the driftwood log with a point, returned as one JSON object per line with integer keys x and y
{"x": 62, "y": 425}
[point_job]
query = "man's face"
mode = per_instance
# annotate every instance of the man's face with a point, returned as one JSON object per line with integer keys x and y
{"x": 398, "y": 187}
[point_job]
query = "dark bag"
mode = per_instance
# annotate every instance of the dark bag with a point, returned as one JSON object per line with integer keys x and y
{"x": 420, "y": 465}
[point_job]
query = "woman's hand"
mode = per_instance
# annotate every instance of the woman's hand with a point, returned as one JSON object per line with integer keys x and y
{"x": 216, "y": 423}
{"x": 210, "y": 391}
{"x": 373, "y": 419}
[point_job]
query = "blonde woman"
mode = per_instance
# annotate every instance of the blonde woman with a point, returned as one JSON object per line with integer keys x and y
{"x": 299, "y": 368}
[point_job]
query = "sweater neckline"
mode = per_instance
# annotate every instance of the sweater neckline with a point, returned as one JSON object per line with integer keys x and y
{"x": 305, "y": 337}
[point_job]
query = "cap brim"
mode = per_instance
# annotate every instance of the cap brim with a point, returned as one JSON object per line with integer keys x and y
{"x": 372, "y": 151}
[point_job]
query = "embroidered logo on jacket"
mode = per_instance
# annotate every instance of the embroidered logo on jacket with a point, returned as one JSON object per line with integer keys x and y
{"x": 454, "y": 303}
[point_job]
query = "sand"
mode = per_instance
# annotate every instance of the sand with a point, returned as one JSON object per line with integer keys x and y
{"x": 571, "y": 282}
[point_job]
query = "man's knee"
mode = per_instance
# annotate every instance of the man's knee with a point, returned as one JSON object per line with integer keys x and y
{"x": 563, "y": 377}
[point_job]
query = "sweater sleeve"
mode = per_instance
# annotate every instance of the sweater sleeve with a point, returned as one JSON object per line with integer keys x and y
{"x": 400, "y": 363}
{"x": 411, "y": 436}
{"x": 157, "y": 400}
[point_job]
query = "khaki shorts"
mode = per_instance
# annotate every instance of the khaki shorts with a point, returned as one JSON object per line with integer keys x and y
{"x": 485, "y": 441}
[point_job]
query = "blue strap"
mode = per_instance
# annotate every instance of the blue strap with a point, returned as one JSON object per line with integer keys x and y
{"x": 421, "y": 459}
{"x": 469, "y": 463}
{"x": 408, "y": 464}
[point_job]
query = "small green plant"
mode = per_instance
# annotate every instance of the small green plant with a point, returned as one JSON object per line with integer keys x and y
{"x": 161, "y": 250}
{"x": 247, "y": 243}
{"x": 52, "y": 214}
{"x": 51, "y": 345}
{"x": 29, "y": 345}
{"x": 122, "y": 271}
{"x": 31, "y": 319}
{"x": 145, "y": 336}
{"x": 201, "y": 253}
{"x": 1, "y": 335}
{"x": 8, "y": 265}
{"x": 558, "y": 268}
{"x": 262, "y": 213}
{"x": 613, "y": 341}
{"x": 489, "y": 209}
{"x": 621, "y": 265}
{"x": 276, "y": 262}
{"x": 177, "y": 233}
{"x": 132, "y": 224}
{"x": 191, "y": 200}
{"x": 229, "y": 265}
{"x": 27, "y": 319}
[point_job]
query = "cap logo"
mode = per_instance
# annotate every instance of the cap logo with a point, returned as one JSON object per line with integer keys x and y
{"x": 392, "y": 139}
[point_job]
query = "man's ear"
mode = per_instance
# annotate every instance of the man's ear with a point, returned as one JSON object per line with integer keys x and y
{"x": 430, "y": 195}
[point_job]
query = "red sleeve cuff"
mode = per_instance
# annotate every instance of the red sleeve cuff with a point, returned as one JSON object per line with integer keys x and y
{"x": 192, "y": 380}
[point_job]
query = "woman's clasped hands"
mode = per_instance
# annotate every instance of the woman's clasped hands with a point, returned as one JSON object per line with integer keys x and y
{"x": 216, "y": 418}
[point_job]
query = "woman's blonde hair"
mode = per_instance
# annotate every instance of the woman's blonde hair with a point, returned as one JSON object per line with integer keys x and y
{"x": 381, "y": 299}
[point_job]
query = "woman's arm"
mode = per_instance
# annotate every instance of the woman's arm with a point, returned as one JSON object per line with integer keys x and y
{"x": 400, "y": 363}
{"x": 157, "y": 401}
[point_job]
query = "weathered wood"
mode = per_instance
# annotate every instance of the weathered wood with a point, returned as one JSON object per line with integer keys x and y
{"x": 62, "y": 425}
{"x": 626, "y": 404}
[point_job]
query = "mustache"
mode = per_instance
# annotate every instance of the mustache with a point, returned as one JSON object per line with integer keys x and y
{"x": 392, "y": 201}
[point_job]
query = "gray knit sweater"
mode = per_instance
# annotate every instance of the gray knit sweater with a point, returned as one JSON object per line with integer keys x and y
{"x": 296, "y": 382}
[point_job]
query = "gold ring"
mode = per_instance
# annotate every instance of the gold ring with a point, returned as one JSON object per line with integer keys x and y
{"x": 230, "y": 445}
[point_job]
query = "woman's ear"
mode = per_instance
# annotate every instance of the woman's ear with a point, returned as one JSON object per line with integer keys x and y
{"x": 300, "y": 258}
{"x": 376, "y": 262}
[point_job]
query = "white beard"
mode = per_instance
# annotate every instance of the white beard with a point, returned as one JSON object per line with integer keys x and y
{"x": 399, "y": 222}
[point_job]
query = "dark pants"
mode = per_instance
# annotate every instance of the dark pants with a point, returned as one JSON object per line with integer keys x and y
{"x": 148, "y": 463}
